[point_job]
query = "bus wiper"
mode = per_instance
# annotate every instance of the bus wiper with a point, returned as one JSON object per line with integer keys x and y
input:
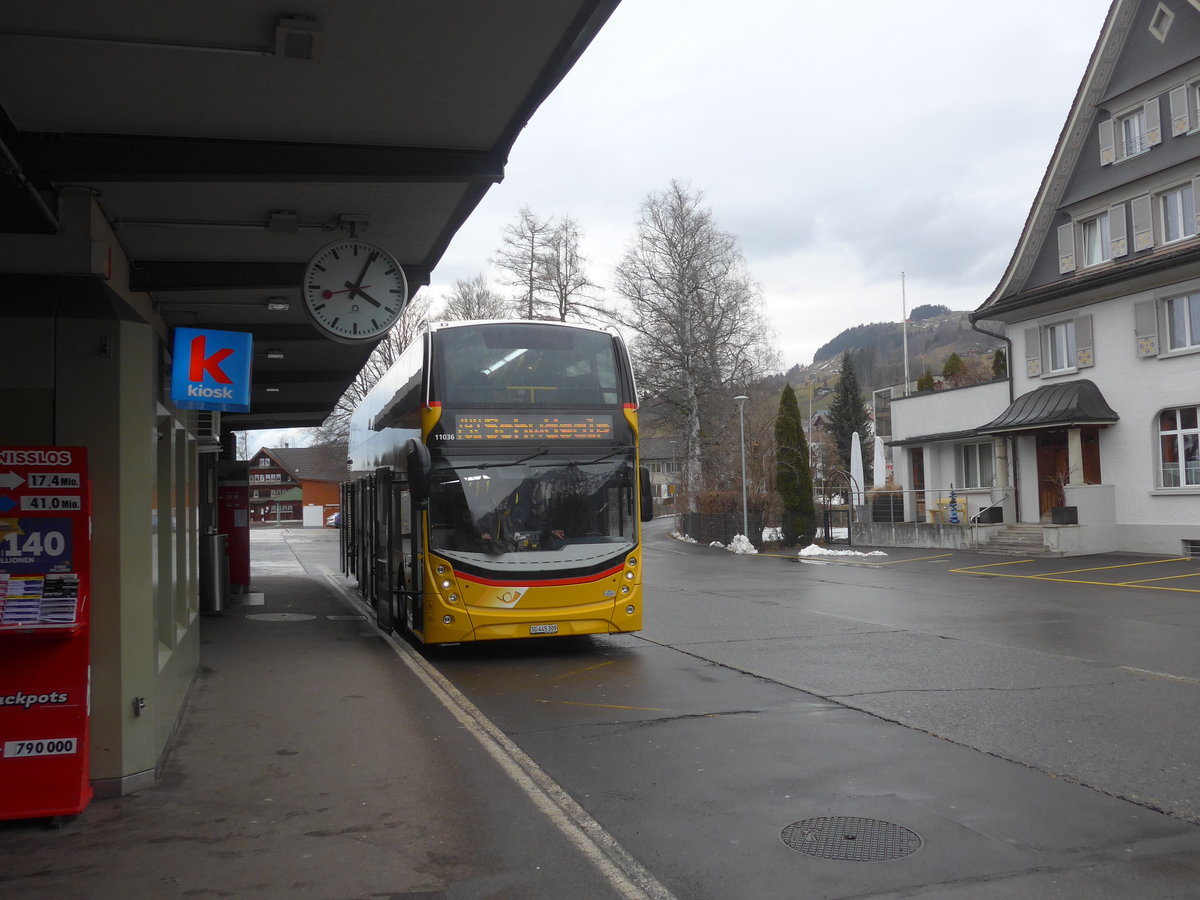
{"x": 541, "y": 451}
{"x": 590, "y": 462}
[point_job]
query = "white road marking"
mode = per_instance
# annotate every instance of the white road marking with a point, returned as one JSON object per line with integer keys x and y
{"x": 627, "y": 876}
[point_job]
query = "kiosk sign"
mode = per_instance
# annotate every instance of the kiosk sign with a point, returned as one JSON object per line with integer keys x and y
{"x": 211, "y": 369}
{"x": 45, "y": 576}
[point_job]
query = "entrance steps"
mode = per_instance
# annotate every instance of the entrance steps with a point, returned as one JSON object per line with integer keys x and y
{"x": 1018, "y": 540}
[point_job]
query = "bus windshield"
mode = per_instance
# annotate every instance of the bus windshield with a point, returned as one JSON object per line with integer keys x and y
{"x": 536, "y": 512}
{"x": 525, "y": 364}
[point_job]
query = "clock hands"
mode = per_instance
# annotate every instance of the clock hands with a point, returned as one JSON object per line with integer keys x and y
{"x": 355, "y": 289}
{"x": 328, "y": 294}
{"x": 357, "y": 286}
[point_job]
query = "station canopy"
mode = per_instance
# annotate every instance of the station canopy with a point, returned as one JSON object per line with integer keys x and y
{"x": 226, "y": 142}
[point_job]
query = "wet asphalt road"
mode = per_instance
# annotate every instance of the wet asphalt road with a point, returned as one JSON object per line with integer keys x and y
{"x": 1033, "y": 723}
{"x": 922, "y": 724}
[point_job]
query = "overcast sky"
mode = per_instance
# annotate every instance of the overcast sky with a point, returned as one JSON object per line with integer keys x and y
{"x": 843, "y": 143}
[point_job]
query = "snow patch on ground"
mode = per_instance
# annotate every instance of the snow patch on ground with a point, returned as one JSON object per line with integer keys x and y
{"x": 814, "y": 550}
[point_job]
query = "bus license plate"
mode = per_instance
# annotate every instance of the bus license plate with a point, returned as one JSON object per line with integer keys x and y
{"x": 543, "y": 629}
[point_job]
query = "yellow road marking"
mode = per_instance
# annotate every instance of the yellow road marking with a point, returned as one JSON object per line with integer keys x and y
{"x": 1152, "y": 562}
{"x": 575, "y": 672}
{"x": 603, "y": 705}
{"x": 970, "y": 570}
{"x": 1133, "y": 585}
{"x": 1163, "y": 578}
{"x": 894, "y": 562}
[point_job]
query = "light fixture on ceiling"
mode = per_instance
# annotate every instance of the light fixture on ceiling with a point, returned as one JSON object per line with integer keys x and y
{"x": 278, "y": 304}
{"x": 299, "y": 38}
{"x": 296, "y": 37}
{"x": 274, "y": 354}
{"x": 272, "y": 389}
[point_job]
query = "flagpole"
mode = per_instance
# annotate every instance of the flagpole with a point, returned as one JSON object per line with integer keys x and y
{"x": 904, "y": 310}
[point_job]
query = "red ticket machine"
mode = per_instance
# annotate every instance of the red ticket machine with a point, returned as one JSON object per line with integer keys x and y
{"x": 45, "y": 581}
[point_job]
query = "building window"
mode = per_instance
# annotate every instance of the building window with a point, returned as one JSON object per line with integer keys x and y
{"x": 1097, "y": 247}
{"x": 264, "y": 460}
{"x": 1060, "y": 341}
{"x": 1178, "y": 214}
{"x": 1183, "y": 322}
{"x": 1179, "y": 446}
{"x": 1131, "y": 134}
{"x": 1160, "y": 22}
{"x": 975, "y": 465}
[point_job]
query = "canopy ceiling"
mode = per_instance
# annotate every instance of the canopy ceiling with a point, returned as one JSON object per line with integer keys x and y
{"x": 227, "y": 142}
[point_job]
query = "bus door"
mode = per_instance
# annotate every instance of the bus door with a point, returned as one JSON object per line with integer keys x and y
{"x": 383, "y": 573}
{"x": 411, "y": 552}
{"x": 345, "y": 504}
{"x": 366, "y": 539}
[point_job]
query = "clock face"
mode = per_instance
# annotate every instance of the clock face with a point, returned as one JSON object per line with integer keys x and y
{"x": 354, "y": 291}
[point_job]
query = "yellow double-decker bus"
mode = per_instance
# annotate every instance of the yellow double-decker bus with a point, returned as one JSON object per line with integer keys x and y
{"x": 496, "y": 489}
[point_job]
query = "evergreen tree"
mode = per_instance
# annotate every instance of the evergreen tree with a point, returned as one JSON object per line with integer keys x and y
{"x": 793, "y": 478}
{"x": 925, "y": 382}
{"x": 848, "y": 414}
{"x": 999, "y": 363}
{"x": 954, "y": 370}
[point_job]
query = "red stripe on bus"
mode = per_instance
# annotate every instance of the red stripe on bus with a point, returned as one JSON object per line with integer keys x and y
{"x": 532, "y": 583}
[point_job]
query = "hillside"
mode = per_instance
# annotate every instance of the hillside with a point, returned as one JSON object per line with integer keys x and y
{"x": 877, "y": 350}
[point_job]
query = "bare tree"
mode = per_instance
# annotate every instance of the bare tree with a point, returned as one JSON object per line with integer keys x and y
{"x": 522, "y": 248}
{"x": 568, "y": 291}
{"x": 699, "y": 332}
{"x": 336, "y": 427}
{"x": 474, "y": 298}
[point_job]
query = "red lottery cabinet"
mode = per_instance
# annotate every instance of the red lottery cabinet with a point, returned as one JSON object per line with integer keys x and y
{"x": 45, "y": 580}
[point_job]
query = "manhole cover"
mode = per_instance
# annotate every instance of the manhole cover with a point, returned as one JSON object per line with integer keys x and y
{"x": 850, "y": 838}
{"x": 280, "y": 617}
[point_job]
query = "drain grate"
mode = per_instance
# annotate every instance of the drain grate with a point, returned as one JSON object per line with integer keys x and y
{"x": 280, "y": 617}
{"x": 851, "y": 839}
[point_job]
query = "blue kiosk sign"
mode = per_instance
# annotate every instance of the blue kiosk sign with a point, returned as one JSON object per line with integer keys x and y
{"x": 211, "y": 370}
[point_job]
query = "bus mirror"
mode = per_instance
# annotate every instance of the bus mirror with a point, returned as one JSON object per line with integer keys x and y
{"x": 647, "y": 494}
{"x": 418, "y": 471}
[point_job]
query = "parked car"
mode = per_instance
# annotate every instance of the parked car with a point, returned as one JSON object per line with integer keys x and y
{"x": 334, "y": 520}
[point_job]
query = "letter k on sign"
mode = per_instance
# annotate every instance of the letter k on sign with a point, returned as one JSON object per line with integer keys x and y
{"x": 199, "y": 363}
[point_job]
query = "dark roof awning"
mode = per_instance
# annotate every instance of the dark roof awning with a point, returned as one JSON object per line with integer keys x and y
{"x": 940, "y": 437}
{"x": 1062, "y": 405}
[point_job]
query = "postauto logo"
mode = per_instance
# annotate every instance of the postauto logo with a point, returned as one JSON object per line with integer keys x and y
{"x": 211, "y": 370}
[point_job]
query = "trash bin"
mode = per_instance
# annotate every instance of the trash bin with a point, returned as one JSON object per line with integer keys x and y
{"x": 214, "y": 573}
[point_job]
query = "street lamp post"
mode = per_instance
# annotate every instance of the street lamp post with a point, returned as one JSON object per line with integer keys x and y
{"x": 741, "y": 402}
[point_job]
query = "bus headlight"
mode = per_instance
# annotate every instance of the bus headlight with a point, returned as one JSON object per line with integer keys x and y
{"x": 629, "y": 610}
{"x": 633, "y": 560}
{"x": 453, "y": 598}
{"x": 441, "y": 570}
{"x": 629, "y": 575}
{"x": 624, "y": 589}
{"x": 447, "y": 620}
{"x": 446, "y": 583}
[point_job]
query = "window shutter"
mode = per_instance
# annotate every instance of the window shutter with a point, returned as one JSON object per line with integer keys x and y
{"x": 1116, "y": 230}
{"x": 1153, "y": 123}
{"x": 1108, "y": 150}
{"x": 1033, "y": 352}
{"x": 1180, "y": 120}
{"x": 1084, "y": 354}
{"x": 1145, "y": 327}
{"x": 1143, "y": 223}
{"x": 1196, "y": 200}
{"x": 1066, "y": 248}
